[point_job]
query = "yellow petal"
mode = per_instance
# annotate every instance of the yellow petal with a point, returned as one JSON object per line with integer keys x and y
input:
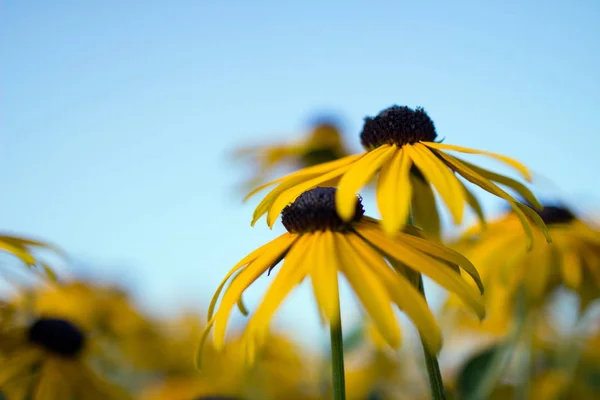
{"x": 394, "y": 192}
{"x": 292, "y": 273}
{"x": 570, "y": 266}
{"x": 443, "y": 253}
{"x": 507, "y": 160}
{"x": 440, "y": 273}
{"x": 439, "y": 175}
{"x": 370, "y": 291}
{"x": 424, "y": 207}
{"x": 284, "y": 240}
{"x": 474, "y": 204}
{"x": 357, "y": 176}
{"x": 18, "y": 252}
{"x": 292, "y": 193}
{"x": 324, "y": 276}
{"x": 488, "y": 185}
{"x": 404, "y": 294}
{"x": 506, "y": 181}
{"x": 245, "y": 278}
{"x": 310, "y": 172}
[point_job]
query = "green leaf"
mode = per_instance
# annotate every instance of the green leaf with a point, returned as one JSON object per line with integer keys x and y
{"x": 474, "y": 372}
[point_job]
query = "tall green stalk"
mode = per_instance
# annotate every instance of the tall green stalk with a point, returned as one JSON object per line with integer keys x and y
{"x": 337, "y": 360}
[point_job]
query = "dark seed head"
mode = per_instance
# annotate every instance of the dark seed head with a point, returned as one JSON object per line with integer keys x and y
{"x": 399, "y": 126}
{"x": 556, "y": 215}
{"x": 57, "y": 336}
{"x": 314, "y": 210}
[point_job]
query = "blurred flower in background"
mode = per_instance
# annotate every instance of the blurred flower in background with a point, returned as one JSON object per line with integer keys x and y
{"x": 324, "y": 142}
{"x": 26, "y": 251}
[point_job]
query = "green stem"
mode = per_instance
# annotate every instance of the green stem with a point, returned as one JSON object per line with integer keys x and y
{"x": 433, "y": 367}
{"x": 337, "y": 360}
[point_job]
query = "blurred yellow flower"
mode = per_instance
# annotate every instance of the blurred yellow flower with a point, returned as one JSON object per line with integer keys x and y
{"x": 124, "y": 335}
{"x": 24, "y": 250}
{"x": 400, "y": 140}
{"x": 47, "y": 359}
{"x": 572, "y": 260}
{"x": 322, "y": 144}
{"x": 319, "y": 245}
{"x": 279, "y": 371}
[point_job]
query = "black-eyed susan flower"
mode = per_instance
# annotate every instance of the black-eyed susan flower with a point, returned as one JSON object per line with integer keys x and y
{"x": 572, "y": 260}
{"x": 24, "y": 249}
{"x": 323, "y": 143}
{"x": 400, "y": 145}
{"x": 319, "y": 245}
{"x": 47, "y": 360}
{"x": 124, "y": 335}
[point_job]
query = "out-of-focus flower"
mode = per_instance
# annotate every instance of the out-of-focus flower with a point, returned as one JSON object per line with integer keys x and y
{"x": 397, "y": 141}
{"x": 572, "y": 260}
{"x": 48, "y": 359}
{"x": 319, "y": 245}
{"x": 322, "y": 144}
{"x": 24, "y": 249}
{"x": 279, "y": 371}
{"x": 123, "y": 334}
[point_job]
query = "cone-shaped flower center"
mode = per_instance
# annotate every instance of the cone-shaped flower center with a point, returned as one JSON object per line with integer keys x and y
{"x": 399, "y": 126}
{"x": 314, "y": 210}
{"x": 556, "y": 215}
{"x": 57, "y": 336}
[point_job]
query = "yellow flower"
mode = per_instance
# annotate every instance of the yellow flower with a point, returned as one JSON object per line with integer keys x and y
{"x": 24, "y": 249}
{"x": 322, "y": 144}
{"x": 278, "y": 373}
{"x": 571, "y": 260}
{"x": 48, "y": 360}
{"x": 400, "y": 140}
{"x": 319, "y": 245}
{"x": 124, "y": 335}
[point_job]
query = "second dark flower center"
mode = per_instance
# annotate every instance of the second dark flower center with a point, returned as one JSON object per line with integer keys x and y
{"x": 314, "y": 210}
{"x": 556, "y": 215}
{"x": 57, "y": 336}
{"x": 399, "y": 126}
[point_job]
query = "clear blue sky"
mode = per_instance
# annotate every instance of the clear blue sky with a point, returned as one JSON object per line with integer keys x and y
{"x": 116, "y": 117}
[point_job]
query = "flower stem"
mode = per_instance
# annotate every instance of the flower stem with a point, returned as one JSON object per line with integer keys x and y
{"x": 433, "y": 367}
{"x": 337, "y": 360}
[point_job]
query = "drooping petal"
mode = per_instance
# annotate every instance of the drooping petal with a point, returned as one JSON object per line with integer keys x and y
{"x": 284, "y": 240}
{"x": 292, "y": 273}
{"x": 370, "y": 291}
{"x": 440, "y": 177}
{"x": 324, "y": 275}
{"x": 256, "y": 268}
{"x": 357, "y": 176}
{"x": 444, "y": 253}
{"x": 506, "y": 181}
{"x": 521, "y": 168}
{"x": 474, "y": 204}
{"x": 404, "y": 294}
{"x": 438, "y": 272}
{"x": 488, "y": 185}
{"x": 424, "y": 207}
{"x": 394, "y": 192}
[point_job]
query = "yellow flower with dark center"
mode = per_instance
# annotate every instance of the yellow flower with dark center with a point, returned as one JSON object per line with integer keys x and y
{"x": 24, "y": 249}
{"x": 47, "y": 361}
{"x": 323, "y": 143}
{"x": 319, "y": 245}
{"x": 571, "y": 260}
{"x": 400, "y": 140}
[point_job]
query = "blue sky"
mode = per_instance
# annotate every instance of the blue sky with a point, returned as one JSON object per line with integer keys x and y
{"x": 116, "y": 118}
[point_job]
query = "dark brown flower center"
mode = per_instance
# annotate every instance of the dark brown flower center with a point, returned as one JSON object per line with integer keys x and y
{"x": 399, "y": 126}
{"x": 58, "y": 336}
{"x": 556, "y": 215}
{"x": 314, "y": 210}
